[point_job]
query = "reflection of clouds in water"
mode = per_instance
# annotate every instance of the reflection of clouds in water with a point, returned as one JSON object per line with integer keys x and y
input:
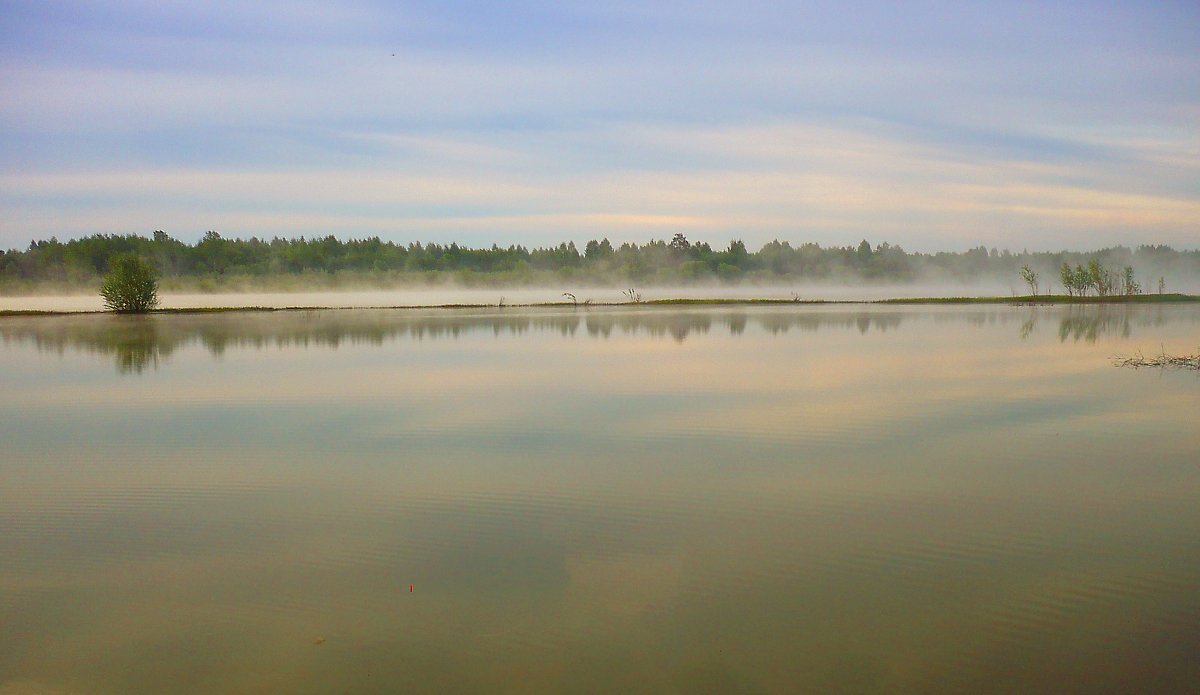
{"x": 567, "y": 504}
{"x": 624, "y": 585}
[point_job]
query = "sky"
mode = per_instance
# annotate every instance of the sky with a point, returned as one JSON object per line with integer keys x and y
{"x": 932, "y": 125}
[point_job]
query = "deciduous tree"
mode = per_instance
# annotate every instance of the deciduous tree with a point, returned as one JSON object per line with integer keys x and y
{"x": 131, "y": 286}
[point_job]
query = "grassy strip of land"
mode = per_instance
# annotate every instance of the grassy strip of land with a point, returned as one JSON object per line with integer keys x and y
{"x": 1048, "y": 299}
{"x": 1043, "y": 299}
{"x": 1173, "y": 298}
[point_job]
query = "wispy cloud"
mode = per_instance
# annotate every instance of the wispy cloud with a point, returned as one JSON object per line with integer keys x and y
{"x": 1033, "y": 124}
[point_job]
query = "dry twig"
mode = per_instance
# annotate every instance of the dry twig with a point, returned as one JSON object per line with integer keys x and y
{"x": 1162, "y": 361}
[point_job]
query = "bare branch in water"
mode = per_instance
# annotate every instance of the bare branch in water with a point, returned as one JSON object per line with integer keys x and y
{"x": 1162, "y": 361}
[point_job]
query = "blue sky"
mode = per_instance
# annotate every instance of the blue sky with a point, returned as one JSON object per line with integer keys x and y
{"x": 933, "y": 125}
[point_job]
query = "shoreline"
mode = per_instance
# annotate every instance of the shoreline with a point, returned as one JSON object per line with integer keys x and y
{"x": 1027, "y": 300}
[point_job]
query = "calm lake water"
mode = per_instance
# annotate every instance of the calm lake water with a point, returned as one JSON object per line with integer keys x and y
{"x": 764, "y": 500}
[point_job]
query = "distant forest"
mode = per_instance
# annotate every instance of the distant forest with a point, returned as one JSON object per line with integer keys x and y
{"x": 216, "y": 263}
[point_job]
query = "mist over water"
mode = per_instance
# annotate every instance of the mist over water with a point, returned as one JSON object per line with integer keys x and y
{"x": 980, "y": 275}
{"x": 448, "y": 295}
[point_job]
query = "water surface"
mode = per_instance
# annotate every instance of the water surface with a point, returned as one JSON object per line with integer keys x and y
{"x": 767, "y": 500}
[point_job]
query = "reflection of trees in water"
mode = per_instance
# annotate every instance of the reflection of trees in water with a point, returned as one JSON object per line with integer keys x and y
{"x": 137, "y": 343}
{"x": 861, "y": 321}
{"x": 1029, "y": 325}
{"x": 1092, "y": 321}
{"x": 140, "y": 342}
{"x": 1088, "y": 328}
{"x": 1089, "y": 323}
{"x": 136, "y": 346}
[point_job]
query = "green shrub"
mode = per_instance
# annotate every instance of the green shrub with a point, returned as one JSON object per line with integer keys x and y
{"x": 131, "y": 286}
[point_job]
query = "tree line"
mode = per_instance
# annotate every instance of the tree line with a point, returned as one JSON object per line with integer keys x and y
{"x": 216, "y": 259}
